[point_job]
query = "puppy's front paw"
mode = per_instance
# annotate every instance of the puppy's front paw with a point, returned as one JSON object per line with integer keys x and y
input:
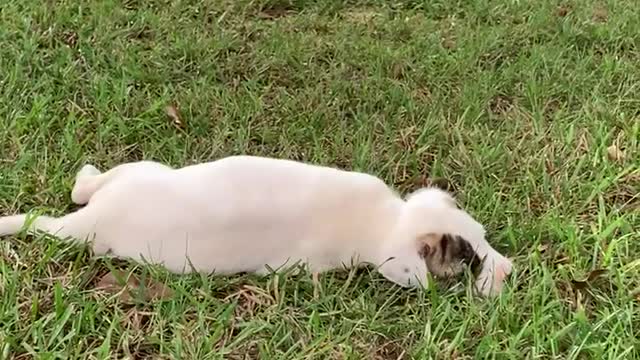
{"x": 495, "y": 270}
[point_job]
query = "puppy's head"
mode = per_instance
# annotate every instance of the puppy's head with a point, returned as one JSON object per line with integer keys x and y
{"x": 433, "y": 235}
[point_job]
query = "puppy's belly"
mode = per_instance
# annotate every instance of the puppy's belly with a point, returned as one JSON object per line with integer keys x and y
{"x": 221, "y": 252}
{"x": 206, "y": 229}
{"x": 189, "y": 243}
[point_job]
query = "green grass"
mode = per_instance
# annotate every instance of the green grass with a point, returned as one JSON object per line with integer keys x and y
{"x": 514, "y": 102}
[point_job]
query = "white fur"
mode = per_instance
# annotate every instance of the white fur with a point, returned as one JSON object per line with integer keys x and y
{"x": 251, "y": 214}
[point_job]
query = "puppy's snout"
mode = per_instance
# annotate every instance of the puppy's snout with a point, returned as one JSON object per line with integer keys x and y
{"x": 491, "y": 281}
{"x": 503, "y": 270}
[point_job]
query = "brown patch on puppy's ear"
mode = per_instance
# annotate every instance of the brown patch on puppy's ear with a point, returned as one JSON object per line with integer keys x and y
{"x": 427, "y": 244}
{"x": 468, "y": 255}
{"x": 448, "y": 254}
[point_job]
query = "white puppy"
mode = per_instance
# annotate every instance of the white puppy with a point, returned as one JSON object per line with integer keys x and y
{"x": 252, "y": 214}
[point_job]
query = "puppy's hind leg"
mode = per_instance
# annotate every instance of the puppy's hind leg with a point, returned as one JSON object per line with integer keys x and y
{"x": 87, "y": 171}
{"x": 85, "y": 184}
{"x": 89, "y": 179}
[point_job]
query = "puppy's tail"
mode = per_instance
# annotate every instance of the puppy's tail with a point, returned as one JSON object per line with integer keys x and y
{"x": 69, "y": 226}
{"x": 11, "y": 225}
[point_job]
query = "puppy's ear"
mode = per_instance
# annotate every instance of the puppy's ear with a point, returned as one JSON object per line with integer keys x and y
{"x": 446, "y": 186}
{"x": 443, "y": 184}
{"x": 427, "y": 244}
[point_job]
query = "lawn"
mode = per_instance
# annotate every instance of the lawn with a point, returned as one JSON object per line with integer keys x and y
{"x": 529, "y": 110}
